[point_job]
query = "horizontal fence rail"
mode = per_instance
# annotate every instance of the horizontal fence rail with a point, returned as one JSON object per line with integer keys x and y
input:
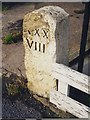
{"x": 68, "y": 77}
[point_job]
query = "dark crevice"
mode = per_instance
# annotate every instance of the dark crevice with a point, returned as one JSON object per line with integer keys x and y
{"x": 79, "y": 96}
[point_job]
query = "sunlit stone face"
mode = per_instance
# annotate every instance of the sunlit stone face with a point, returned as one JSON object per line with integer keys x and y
{"x": 39, "y": 39}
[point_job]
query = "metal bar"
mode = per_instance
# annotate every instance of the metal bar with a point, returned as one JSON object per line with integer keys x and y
{"x": 75, "y": 61}
{"x": 84, "y": 37}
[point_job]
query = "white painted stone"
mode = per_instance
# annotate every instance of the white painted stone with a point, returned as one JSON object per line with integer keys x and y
{"x": 45, "y": 38}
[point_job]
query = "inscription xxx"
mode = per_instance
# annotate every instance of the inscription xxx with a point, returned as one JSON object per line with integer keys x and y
{"x": 39, "y": 33}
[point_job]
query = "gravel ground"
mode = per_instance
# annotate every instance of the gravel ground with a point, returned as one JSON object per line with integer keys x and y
{"x": 17, "y": 109}
{"x": 21, "y": 104}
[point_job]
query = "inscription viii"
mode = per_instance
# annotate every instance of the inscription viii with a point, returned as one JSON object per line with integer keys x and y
{"x": 39, "y": 44}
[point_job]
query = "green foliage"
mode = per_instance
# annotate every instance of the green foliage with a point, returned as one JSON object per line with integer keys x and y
{"x": 12, "y": 38}
{"x": 8, "y": 39}
{"x": 12, "y": 89}
{"x": 13, "y": 85}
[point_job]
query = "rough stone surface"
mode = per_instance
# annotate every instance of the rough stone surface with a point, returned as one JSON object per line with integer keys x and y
{"x": 45, "y": 38}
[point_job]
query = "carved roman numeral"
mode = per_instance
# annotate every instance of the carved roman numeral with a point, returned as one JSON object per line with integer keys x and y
{"x": 38, "y": 46}
{"x": 35, "y": 45}
{"x": 43, "y": 48}
{"x": 29, "y": 32}
{"x": 30, "y": 45}
{"x": 37, "y": 32}
{"x": 45, "y": 34}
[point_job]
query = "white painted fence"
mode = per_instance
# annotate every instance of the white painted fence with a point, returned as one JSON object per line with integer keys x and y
{"x": 67, "y": 76}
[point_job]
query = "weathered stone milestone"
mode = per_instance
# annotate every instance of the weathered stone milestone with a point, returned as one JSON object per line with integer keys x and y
{"x": 45, "y": 38}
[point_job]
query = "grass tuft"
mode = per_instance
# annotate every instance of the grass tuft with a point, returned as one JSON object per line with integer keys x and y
{"x": 8, "y": 39}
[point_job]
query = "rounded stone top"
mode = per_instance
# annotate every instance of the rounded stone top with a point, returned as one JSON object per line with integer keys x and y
{"x": 53, "y": 12}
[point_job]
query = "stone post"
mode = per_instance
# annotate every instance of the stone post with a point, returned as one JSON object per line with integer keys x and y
{"x": 45, "y": 38}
